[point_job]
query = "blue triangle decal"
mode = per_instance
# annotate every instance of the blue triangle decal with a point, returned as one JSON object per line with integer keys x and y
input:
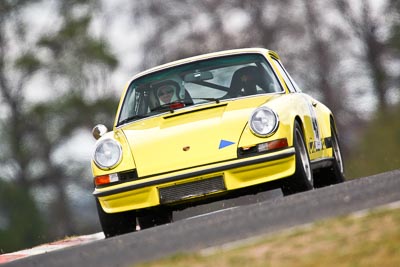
{"x": 225, "y": 143}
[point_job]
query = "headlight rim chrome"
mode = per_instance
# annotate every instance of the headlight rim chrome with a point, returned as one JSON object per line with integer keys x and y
{"x": 272, "y": 131}
{"x": 100, "y": 143}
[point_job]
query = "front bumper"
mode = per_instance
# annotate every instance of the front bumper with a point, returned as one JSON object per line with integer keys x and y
{"x": 238, "y": 173}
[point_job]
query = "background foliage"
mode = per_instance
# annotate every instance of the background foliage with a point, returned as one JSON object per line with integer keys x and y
{"x": 63, "y": 65}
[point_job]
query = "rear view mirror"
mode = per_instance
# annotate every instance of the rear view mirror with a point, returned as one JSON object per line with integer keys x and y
{"x": 198, "y": 76}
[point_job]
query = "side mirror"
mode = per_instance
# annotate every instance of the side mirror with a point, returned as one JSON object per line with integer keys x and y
{"x": 99, "y": 130}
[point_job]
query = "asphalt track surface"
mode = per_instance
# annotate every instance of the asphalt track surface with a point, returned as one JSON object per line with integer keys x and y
{"x": 227, "y": 225}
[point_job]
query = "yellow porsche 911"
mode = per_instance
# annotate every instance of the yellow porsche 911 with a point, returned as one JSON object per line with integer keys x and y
{"x": 206, "y": 128}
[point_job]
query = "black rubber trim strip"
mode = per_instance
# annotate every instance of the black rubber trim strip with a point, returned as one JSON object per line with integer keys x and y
{"x": 322, "y": 163}
{"x": 194, "y": 174}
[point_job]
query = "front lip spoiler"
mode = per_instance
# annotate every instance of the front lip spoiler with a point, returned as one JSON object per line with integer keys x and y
{"x": 286, "y": 153}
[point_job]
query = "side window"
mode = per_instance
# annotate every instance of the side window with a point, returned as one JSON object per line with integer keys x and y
{"x": 293, "y": 82}
{"x": 286, "y": 78}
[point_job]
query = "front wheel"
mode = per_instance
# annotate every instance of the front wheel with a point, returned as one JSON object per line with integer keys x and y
{"x": 302, "y": 180}
{"x": 116, "y": 223}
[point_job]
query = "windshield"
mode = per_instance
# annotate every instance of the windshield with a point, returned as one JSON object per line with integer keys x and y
{"x": 198, "y": 82}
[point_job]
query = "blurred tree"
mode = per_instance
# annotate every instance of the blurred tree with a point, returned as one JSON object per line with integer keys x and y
{"x": 82, "y": 63}
{"x": 375, "y": 27}
{"x": 325, "y": 60}
{"x": 17, "y": 66}
{"x": 378, "y": 149}
{"x": 51, "y": 124}
{"x": 15, "y": 232}
{"x": 326, "y": 80}
{"x": 366, "y": 27}
{"x": 173, "y": 31}
{"x": 20, "y": 226}
{"x": 77, "y": 64}
{"x": 394, "y": 34}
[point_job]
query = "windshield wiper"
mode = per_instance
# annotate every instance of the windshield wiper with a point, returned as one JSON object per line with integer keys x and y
{"x": 207, "y": 98}
{"x": 131, "y": 118}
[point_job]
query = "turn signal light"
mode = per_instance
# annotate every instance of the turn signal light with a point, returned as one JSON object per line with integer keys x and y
{"x": 105, "y": 179}
{"x": 270, "y": 146}
{"x": 276, "y": 144}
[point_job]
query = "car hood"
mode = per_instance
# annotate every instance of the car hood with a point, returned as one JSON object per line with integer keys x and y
{"x": 189, "y": 137}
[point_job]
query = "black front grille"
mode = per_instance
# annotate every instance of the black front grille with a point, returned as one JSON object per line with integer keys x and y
{"x": 192, "y": 189}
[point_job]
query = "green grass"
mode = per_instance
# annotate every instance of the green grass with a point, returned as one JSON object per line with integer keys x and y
{"x": 371, "y": 239}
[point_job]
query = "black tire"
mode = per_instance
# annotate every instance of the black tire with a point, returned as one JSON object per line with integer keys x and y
{"x": 155, "y": 217}
{"x": 302, "y": 180}
{"x": 116, "y": 223}
{"x": 333, "y": 174}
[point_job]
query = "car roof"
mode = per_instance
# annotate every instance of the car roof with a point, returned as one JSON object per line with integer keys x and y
{"x": 207, "y": 56}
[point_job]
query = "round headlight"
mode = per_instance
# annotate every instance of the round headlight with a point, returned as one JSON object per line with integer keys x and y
{"x": 107, "y": 154}
{"x": 263, "y": 122}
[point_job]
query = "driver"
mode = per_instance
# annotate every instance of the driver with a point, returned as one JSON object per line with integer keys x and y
{"x": 167, "y": 93}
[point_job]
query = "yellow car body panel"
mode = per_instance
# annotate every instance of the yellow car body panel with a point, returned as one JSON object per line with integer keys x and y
{"x": 202, "y": 141}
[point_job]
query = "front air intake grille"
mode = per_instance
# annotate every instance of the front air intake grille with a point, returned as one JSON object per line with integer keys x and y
{"x": 192, "y": 189}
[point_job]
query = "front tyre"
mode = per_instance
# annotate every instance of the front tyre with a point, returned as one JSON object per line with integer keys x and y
{"x": 302, "y": 180}
{"x": 116, "y": 223}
